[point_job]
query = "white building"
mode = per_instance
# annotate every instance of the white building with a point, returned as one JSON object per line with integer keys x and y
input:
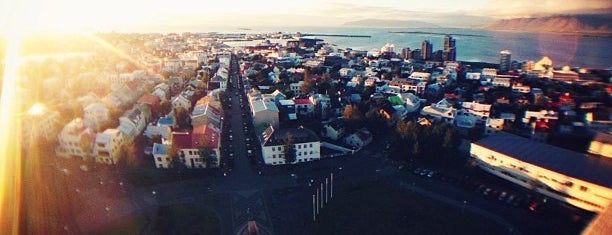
{"x": 545, "y": 115}
{"x": 305, "y": 142}
{"x": 333, "y": 129}
{"x": 75, "y": 140}
{"x": 441, "y": 111}
{"x": 134, "y": 121}
{"x": 296, "y": 88}
{"x": 304, "y": 107}
{"x": 501, "y": 81}
{"x": 264, "y": 113}
{"x": 421, "y": 76}
{"x": 108, "y": 146}
{"x": 40, "y": 122}
{"x": 96, "y": 116}
{"x": 411, "y": 102}
{"x": 494, "y": 125}
{"x": 182, "y": 100}
{"x": 577, "y": 179}
{"x": 359, "y": 139}
{"x": 472, "y": 76}
{"x": 192, "y": 147}
{"x": 204, "y": 114}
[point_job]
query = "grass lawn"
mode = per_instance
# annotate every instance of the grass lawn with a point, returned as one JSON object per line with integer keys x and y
{"x": 380, "y": 209}
{"x": 187, "y": 219}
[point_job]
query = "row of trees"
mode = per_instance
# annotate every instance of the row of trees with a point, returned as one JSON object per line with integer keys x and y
{"x": 437, "y": 142}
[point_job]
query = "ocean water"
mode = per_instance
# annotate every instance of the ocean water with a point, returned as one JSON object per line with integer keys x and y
{"x": 472, "y": 44}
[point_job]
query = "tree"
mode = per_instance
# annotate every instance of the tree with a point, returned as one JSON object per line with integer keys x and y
{"x": 289, "y": 151}
{"x": 183, "y": 120}
{"x": 208, "y": 155}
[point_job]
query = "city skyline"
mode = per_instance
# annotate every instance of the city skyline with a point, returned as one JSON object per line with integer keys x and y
{"x": 71, "y": 15}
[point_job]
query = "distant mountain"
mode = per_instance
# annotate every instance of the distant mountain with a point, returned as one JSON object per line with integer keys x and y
{"x": 391, "y": 23}
{"x": 598, "y": 24}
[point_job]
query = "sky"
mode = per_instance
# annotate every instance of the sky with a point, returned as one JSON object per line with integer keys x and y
{"x": 114, "y": 14}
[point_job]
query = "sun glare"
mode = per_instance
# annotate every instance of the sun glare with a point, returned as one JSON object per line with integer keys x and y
{"x": 10, "y": 162}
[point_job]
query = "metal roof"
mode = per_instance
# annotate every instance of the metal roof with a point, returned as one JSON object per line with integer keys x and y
{"x": 585, "y": 167}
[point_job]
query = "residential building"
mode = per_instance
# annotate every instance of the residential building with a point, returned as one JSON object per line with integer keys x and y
{"x": 333, "y": 129}
{"x": 421, "y": 76}
{"x": 107, "y": 148}
{"x": 601, "y": 144}
{"x": 133, "y": 122}
{"x": 501, "y": 81}
{"x": 75, "y": 140}
{"x": 322, "y": 105}
{"x": 480, "y": 110}
{"x": 286, "y": 110}
{"x": 494, "y": 125}
{"x": 359, "y": 139}
{"x": 305, "y": 142}
{"x": 183, "y": 101}
{"x": 96, "y": 116}
{"x": 162, "y": 91}
{"x": 204, "y": 114}
{"x": 199, "y": 148}
{"x": 40, "y": 122}
{"x": 441, "y": 111}
{"x": 577, "y": 179}
{"x": 411, "y": 102}
{"x": 296, "y": 88}
{"x": 161, "y": 156}
{"x": 264, "y": 113}
{"x": 153, "y": 102}
{"x": 304, "y": 107}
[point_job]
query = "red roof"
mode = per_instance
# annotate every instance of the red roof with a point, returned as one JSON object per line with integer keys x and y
{"x": 149, "y": 99}
{"x": 132, "y": 85}
{"x": 302, "y": 101}
{"x": 181, "y": 140}
{"x": 204, "y": 136}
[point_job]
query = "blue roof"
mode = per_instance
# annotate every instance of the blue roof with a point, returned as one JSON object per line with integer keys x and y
{"x": 585, "y": 167}
{"x": 167, "y": 120}
{"x": 159, "y": 148}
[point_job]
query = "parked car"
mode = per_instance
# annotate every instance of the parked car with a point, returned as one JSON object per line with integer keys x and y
{"x": 502, "y": 196}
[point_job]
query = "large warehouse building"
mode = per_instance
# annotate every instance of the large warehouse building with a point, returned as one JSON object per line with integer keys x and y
{"x": 582, "y": 180}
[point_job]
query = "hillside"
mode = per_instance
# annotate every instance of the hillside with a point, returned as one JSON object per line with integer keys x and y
{"x": 562, "y": 23}
{"x": 390, "y": 23}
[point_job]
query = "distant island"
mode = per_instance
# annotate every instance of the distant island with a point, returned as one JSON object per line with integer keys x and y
{"x": 595, "y": 25}
{"x": 434, "y": 33}
{"x": 391, "y": 23}
{"x": 244, "y": 29}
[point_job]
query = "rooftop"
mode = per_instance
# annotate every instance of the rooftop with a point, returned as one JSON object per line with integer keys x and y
{"x": 589, "y": 168}
{"x": 273, "y": 137}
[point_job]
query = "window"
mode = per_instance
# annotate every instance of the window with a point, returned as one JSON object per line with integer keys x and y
{"x": 300, "y": 154}
{"x": 273, "y": 155}
{"x": 299, "y": 146}
{"x": 159, "y": 159}
{"x": 311, "y": 145}
{"x": 311, "y": 152}
{"x": 583, "y": 188}
{"x": 273, "y": 149}
{"x": 569, "y": 184}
